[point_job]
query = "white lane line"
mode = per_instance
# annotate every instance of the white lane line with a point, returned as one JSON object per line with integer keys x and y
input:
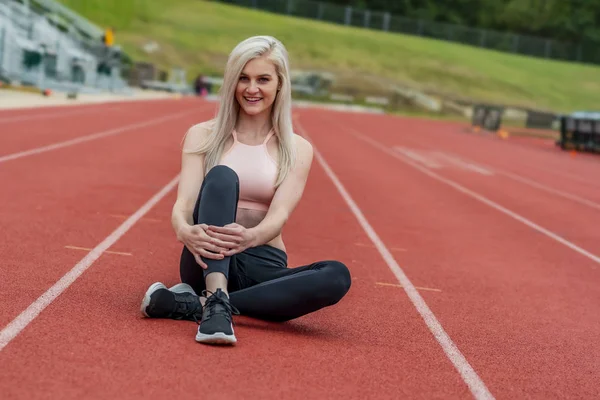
{"x": 538, "y": 185}
{"x": 55, "y": 114}
{"x": 549, "y": 189}
{"x": 468, "y": 374}
{"x": 419, "y": 157}
{"x": 588, "y": 182}
{"x": 17, "y": 325}
{"x": 473, "y": 194}
{"x": 93, "y": 136}
{"x": 467, "y": 165}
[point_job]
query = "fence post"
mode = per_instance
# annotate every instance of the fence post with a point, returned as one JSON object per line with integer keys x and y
{"x": 450, "y": 32}
{"x": 367, "y": 18}
{"x": 290, "y": 6}
{"x": 548, "y": 47}
{"x": 320, "y": 11}
{"x": 348, "y": 16}
{"x": 482, "y": 39}
{"x": 516, "y": 43}
{"x": 2, "y": 50}
{"x": 386, "y": 21}
{"x": 6, "y": 58}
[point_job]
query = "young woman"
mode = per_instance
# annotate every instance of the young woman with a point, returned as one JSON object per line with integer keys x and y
{"x": 242, "y": 175}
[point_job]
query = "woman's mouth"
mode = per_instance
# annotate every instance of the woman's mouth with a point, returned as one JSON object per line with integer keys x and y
{"x": 253, "y": 100}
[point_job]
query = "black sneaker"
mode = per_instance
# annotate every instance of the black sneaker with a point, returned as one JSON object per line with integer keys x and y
{"x": 177, "y": 302}
{"x": 216, "y": 326}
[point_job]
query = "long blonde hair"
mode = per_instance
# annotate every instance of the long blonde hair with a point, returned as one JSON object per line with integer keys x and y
{"x": 281, "y": 114}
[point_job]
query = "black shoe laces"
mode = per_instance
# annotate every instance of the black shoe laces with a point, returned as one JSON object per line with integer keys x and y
{"x": 186, "y": 308}
{"x": 214, "y": 300}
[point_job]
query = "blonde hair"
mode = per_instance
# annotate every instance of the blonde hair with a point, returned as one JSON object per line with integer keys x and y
{"x": 281, "y": 115}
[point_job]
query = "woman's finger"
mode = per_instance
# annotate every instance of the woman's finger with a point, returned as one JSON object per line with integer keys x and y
{"x": 216, "y": 249}
{"x": 224, "y": 245}
{"x": 215, "y": 244}
{"x": 200, "y": 262}
{"x": 228, "y": 230}
{"x": 213, "y": 256}
{"x": 233, "y": 251}
{"x": 229, "y": 239}
{"x": 209, "y": 244}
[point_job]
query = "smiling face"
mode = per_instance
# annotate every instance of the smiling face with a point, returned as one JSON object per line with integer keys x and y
{"x": 257, "y": 86}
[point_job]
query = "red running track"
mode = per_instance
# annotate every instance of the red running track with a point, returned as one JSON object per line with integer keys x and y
{"x": 518, "y": 305}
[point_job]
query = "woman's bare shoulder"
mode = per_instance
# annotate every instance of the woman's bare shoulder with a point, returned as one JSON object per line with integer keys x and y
{"x": 197, "y": 134}
{"x": 303, "y": 146}
{"x": 304, "y": 152}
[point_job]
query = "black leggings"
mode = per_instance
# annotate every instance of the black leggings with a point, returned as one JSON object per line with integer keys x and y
{"x": 260, "y": 284}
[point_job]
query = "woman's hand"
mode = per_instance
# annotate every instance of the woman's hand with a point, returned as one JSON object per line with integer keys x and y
{"x": 199, "y": 243}
{"x": 234, "y": 237}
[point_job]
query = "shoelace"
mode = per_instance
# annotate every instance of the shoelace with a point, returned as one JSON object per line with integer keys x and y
{"x": 213, "y": 300}
{"x": 187, "y": 308}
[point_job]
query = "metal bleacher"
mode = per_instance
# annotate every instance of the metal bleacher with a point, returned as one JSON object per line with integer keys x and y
{"x": 45, "y": 45}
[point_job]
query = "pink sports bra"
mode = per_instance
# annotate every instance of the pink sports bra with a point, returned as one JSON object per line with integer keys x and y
{"x": 256, "y": 170}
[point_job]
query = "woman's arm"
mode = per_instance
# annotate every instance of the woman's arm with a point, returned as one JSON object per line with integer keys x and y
{"x": 194, "y": 237}
{"x": 286, "y": 197}
{"x": 190, "y": 180}
{"x": 238, "y": 238}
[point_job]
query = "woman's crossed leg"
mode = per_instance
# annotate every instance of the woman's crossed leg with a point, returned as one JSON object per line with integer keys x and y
{"x": 255, "y": 282}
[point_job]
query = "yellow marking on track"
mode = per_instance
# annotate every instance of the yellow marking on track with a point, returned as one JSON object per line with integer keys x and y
{"x": 109, "y": 252}
{"x": 370, "y": 245}
{"x": 416, "y": 287}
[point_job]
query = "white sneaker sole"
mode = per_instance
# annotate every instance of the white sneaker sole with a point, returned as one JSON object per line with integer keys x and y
{"x": 216, "y": 338}
{"x": 179, "y": 288}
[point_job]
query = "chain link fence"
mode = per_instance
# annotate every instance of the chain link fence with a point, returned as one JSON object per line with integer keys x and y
{"x": 586, "y": 52}
{"x": 41, "y": 49}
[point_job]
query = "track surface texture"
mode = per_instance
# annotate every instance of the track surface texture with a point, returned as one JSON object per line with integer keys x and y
{"x": 475, "y": 263}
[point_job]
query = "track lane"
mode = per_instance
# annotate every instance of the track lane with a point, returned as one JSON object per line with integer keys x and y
{"x": 59, "y": 111}
{"x": 549, "y": 166}
{"x": 47, "y": 111}
{"x": 95, "y": 342}
{"x": 520, "y": 307}
{"x": 573, "y": 218}
{"x": 25, "y": 135}
{"x": 10, "y": 119}
{"x": 73, "y": 197}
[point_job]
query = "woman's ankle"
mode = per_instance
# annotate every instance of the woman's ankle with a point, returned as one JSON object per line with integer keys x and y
{"x": 214, "y": 281}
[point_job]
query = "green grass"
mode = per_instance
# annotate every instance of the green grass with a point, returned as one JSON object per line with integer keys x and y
{"x": 198, "y": 35}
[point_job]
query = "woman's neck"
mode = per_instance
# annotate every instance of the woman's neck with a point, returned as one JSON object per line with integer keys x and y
{"x": 253, "y": 127}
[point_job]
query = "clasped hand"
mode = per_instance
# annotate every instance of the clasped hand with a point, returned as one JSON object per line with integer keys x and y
{"x": 216, "y": 242}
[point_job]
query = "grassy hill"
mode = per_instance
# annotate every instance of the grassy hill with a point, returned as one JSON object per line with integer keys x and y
{"x": 198, "y": 35}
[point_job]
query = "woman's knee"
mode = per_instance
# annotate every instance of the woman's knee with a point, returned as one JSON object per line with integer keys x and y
{"x": 220, "y": 185}
{"x": 338, "y": 277}
{"x": 221, "y": 177}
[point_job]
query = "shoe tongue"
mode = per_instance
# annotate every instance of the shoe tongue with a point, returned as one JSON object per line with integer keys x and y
{"x": 219, "y": 302}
